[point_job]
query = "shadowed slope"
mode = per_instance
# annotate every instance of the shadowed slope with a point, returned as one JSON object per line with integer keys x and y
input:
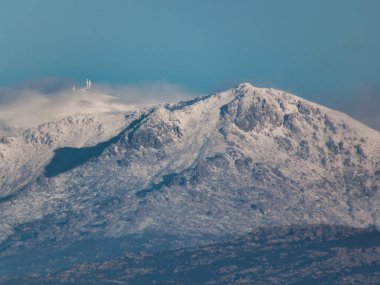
{"x": 68, "y": 158}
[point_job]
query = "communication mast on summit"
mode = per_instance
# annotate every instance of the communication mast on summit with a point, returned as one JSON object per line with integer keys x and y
{"x": 83, "y": 89}
{"x": 88, "y": 84}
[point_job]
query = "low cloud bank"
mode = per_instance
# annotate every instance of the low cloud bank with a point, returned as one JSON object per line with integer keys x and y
{"x": 48, "y": 100}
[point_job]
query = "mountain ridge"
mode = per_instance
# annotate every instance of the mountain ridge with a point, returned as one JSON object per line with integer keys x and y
{"x": 202, "y": 169}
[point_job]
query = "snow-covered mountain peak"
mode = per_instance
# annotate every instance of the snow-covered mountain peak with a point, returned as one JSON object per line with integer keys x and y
{"x": 247, "y": 87}
{"x": 218, "y": 164}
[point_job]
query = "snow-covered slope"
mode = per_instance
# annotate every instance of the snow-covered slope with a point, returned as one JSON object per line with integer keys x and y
{"x": 221, "y": 164}
{"x": 23, "y": 157}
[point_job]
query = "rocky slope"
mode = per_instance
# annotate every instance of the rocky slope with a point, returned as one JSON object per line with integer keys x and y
{"x": 196, "y": 171}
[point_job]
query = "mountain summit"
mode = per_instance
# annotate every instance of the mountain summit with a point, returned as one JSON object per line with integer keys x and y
{"x": 218, "y": 165}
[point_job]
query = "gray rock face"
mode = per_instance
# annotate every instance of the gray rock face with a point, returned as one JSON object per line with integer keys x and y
{"x": 254, "y": 113}
{"x": 154, "y": 133}
{"x": 201, "y": 170}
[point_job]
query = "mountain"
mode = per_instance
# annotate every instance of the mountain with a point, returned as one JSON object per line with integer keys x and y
{"x": 179, "y": 175}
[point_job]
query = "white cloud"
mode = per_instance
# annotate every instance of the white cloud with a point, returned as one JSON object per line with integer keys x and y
{"x": 29, "y": 105}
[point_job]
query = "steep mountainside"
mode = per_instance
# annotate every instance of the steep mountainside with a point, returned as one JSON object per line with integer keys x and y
{"x": 201, "y": 170}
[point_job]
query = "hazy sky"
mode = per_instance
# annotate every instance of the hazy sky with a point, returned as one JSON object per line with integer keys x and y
{"x": 326, "y": 50}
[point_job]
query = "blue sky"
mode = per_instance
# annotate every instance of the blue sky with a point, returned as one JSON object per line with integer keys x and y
{"x": 326, "y": 51}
